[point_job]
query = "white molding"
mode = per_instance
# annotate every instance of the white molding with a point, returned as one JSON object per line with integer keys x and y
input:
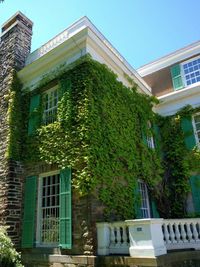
{"x": 38, "y": 212}
{"x": 168, "y": 60}
{"x": 84, "y": 24}
{"x": 172, "y": 102}
{"x": 195, "y": 129}
{"x": 105, "y": 55}
{"x": 61, "y": 56}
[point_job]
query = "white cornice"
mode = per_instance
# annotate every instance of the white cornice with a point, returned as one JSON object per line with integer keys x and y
{"x": 172, "y": 102}
{"x": 166, "y": 61}
{"x": 61, "y": 56}
{"x": 71, "y": 32}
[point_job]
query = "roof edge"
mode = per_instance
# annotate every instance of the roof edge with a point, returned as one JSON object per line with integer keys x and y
{"x": 170, "y": 59}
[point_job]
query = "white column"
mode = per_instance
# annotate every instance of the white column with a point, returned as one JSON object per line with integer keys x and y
{"x": 146, "y": 238}
{"x": 103, "y": 238}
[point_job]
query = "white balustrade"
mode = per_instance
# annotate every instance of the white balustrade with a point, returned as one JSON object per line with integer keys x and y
{"x": 113, "y": 238}
{"x": 181, "y": 233}
{"x": 148, "y": 237}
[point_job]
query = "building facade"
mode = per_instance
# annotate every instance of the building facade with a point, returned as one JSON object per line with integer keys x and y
{"x": 174, "y": 80}
{"x": 59, "y": 122}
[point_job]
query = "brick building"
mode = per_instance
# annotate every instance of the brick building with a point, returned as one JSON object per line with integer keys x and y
{"x": 45, "y": 213}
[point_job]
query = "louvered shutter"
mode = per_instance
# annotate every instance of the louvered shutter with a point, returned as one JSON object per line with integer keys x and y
{"x": 28, "y": 225}
{"x": 176, "y": 77}
{"x": 65, "y": 209}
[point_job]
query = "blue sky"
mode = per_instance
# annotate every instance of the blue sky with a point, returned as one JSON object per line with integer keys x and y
{"x": 141, "y": 30}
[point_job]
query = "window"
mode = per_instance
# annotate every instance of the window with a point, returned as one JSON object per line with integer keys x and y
{"x": 196, "y": 127}
{"x": 48, "y": 209}
{"x": 50, "y": 105}
{"x": 149, "y": 137}
{"x": 191, "y": 71}
{"x": 52, "y": 192}
{"x": 145, "y": 207}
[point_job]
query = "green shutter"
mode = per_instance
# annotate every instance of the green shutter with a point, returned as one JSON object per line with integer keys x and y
{"x": 195, "y": 186}
{"x": 34, "y": 116}
{"x": 28, "y": 226}
{"x": 154, "y": 210}
{"x": 65, "y": 209}
{"x": 176, "y": 77}
{"x": 137, "y": 204}
{"x": 187, "y": 127}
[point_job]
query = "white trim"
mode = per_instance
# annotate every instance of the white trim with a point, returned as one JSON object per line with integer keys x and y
{"x": 50, "y": 114}
{"x": 150, "y": 138}
{"x": 170, "y": 103}
{"x": 38, "y": 212}
{"x": 44, "y": 174}
{"x": 146, "y": 198}
{"x": 170, "y": 59}
{"x": 183, "y": 75}
{"x": 75, "y": 29}
{"x": 195, "y": 129}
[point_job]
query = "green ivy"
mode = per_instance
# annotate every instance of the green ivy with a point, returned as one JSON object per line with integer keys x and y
{"x": 8, "y": 255}
{"x": 99, "y": 133}
{"x": 14, "y": 117}
{"x": 178, "y": 163}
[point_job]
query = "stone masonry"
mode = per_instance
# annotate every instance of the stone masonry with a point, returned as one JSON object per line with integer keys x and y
{"x": 15, "y": 45}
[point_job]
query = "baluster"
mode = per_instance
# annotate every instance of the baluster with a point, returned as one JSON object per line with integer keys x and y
{"x": 123, "y": 235}
{"x": 171, "y": 232}
{"x": 198, "y": 229}
{"x": 189, "y": 233}
{"x": 177, "y": 233}
{"x": 118, "y": 236}
{"x": 127, "y": 236}
{"x": 194, "y": 231}
{"x": 183, "y": 233}
{"x": 112, "y": 235}
{"x": 166, "y": 233}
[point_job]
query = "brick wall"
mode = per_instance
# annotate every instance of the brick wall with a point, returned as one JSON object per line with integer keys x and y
{"x": 15, "y": 45}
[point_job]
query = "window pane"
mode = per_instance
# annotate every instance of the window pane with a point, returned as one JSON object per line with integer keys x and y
{"x": 145, "y": 210}
{"x": 50, "y": 106}
{"x": 50, "y": 210}
{"x": 192, "y": 71}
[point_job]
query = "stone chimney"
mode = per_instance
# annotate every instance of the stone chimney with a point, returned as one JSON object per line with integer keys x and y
{"x": 15, "y": 43}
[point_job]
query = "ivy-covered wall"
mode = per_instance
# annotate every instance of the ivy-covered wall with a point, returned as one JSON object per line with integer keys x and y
{"x": 101, "y": 132}
{"x": 180, "y": 161}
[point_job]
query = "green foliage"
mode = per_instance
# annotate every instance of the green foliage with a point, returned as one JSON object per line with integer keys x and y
{"x": 99, "y": 134}
{"x": 174, "y": 188}
{"x": 14, "y": 117}
{"x": 179, "y": 163}
{"x": 8, "y": 255}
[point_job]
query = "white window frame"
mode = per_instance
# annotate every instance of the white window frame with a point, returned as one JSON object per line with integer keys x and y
{"x": 44, "y": 117}
{"x": 39, "y": 211}
{"x": 144, "y": 196}
{"x": 149, "y": 138}
{"x": 183, "y": 74}
{"x": 195, "y": 129}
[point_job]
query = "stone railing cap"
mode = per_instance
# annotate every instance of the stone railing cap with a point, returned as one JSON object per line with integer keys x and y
{"x": 144, "y": 221}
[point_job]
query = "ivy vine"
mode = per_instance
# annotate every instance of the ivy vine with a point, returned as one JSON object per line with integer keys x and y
{"x": 101, "y": 132}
